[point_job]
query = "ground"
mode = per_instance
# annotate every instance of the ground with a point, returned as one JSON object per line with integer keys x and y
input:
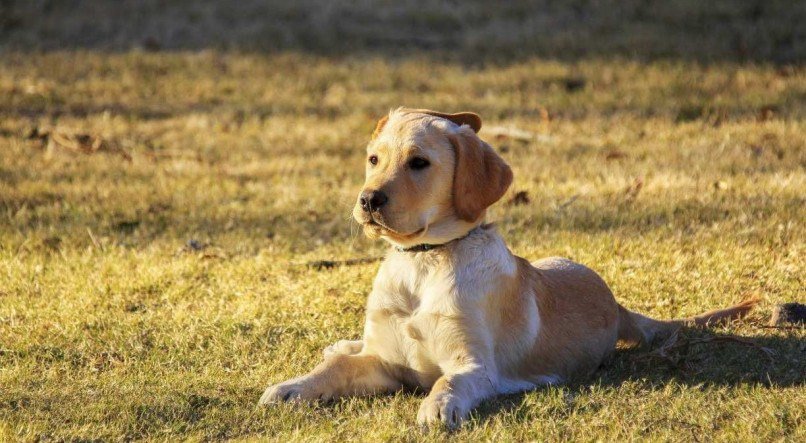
{"x": 164, "y": 214}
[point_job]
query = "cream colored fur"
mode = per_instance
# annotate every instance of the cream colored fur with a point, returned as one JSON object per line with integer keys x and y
{"x": 468, "y": 320}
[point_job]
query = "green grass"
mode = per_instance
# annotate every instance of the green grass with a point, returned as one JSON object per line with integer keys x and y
{"x": 681, "y": 183}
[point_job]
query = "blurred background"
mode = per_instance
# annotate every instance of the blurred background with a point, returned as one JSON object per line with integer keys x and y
{"x": 472, "y": 31}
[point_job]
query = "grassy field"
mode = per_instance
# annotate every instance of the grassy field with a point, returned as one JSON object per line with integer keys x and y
{"x": 162, "y": 215}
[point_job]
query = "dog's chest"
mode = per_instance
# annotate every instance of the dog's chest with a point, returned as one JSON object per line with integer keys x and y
{"x": 403, "y": 314}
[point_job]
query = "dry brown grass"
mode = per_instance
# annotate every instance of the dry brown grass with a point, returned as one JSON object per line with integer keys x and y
{"x": 154, "y": 298}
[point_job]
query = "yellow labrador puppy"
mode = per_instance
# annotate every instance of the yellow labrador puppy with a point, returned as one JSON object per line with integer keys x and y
{"x": 452, "y": 309}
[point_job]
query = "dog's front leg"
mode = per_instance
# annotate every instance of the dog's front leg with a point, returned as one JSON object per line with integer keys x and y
{"x": 339, "y": 375}
{"x": 454, "y": 395}
{"x": 345, "y": 347}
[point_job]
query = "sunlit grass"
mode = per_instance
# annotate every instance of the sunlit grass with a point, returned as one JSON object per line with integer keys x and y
{"x": 682, "y": 184}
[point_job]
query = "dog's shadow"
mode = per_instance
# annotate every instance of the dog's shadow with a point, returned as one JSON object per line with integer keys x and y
{"x": 690, "y": 357}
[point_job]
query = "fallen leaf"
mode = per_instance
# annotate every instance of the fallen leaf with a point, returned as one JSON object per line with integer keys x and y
{"x": 615, "y": 154}
{"x": 634, "y": 189}
{"x": 767, "y": 113}
{"x": 574, "y": 84}
{"x": 545, "y": 118}
{"x": 213, "y": 252}
{"x": 520, "y": 198}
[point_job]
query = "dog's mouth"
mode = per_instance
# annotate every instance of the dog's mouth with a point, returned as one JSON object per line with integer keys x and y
{"x": 386, "y": 230}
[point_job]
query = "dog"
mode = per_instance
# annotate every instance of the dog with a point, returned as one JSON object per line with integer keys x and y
{"x": 452, "y": 310}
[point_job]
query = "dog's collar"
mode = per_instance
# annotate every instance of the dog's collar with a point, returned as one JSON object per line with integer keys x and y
{"x": 424, "y": 247}
{"x": 421, "y": 247}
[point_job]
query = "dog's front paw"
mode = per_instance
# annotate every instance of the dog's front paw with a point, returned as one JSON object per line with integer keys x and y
{"x": 294, "y": 390}
{"x": 444, "y": 408}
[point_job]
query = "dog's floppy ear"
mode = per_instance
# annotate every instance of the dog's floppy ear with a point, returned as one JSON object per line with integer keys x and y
{"x": 460, "y": 118}
{"x": 481, "y": 176}
{"x": 379, "y": 127}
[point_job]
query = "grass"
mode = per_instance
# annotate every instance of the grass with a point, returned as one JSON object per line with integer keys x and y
{"x": 717, "y": 30}
{"x": 152, "y": 286}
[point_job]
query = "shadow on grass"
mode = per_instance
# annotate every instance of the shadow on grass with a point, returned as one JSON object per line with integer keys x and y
{"x": 473, "y": 32}
{"x": 236, "y": 111}
{"x": 697, "y": 358}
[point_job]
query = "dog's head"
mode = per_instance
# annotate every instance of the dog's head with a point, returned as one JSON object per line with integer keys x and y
{"x": 429, "y": 177}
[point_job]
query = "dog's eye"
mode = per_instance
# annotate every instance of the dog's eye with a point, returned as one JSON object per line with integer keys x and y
{"x": 373, "y": 160}
{"x": 418, "y": 163}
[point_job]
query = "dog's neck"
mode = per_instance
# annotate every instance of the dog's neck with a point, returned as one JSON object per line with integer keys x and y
{"x": 425, "y": 247}
{"x": 480, "y": 248}
{"x": 441, "y": 232}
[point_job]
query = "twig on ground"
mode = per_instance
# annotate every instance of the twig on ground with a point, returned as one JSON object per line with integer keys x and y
{"x": 568, "y": 202}
{"x": 802, "y": 327}
{"x": 329, "y": 264}
{"x": 767, "y": 351}
{"x": 632, "y": 191}
{"x": 94, "y": 240}
{"x": 502, "y": 132}
{"x": 672, "y": 348}
{"x": 663, "y": 351}
{"x": 81, "y": 143}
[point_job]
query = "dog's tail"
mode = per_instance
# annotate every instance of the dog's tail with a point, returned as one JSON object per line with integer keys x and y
{"x": 636, "y": 329}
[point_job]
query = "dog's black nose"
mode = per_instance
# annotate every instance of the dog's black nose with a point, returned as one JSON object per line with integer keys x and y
{"x": 372, "y": 200}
